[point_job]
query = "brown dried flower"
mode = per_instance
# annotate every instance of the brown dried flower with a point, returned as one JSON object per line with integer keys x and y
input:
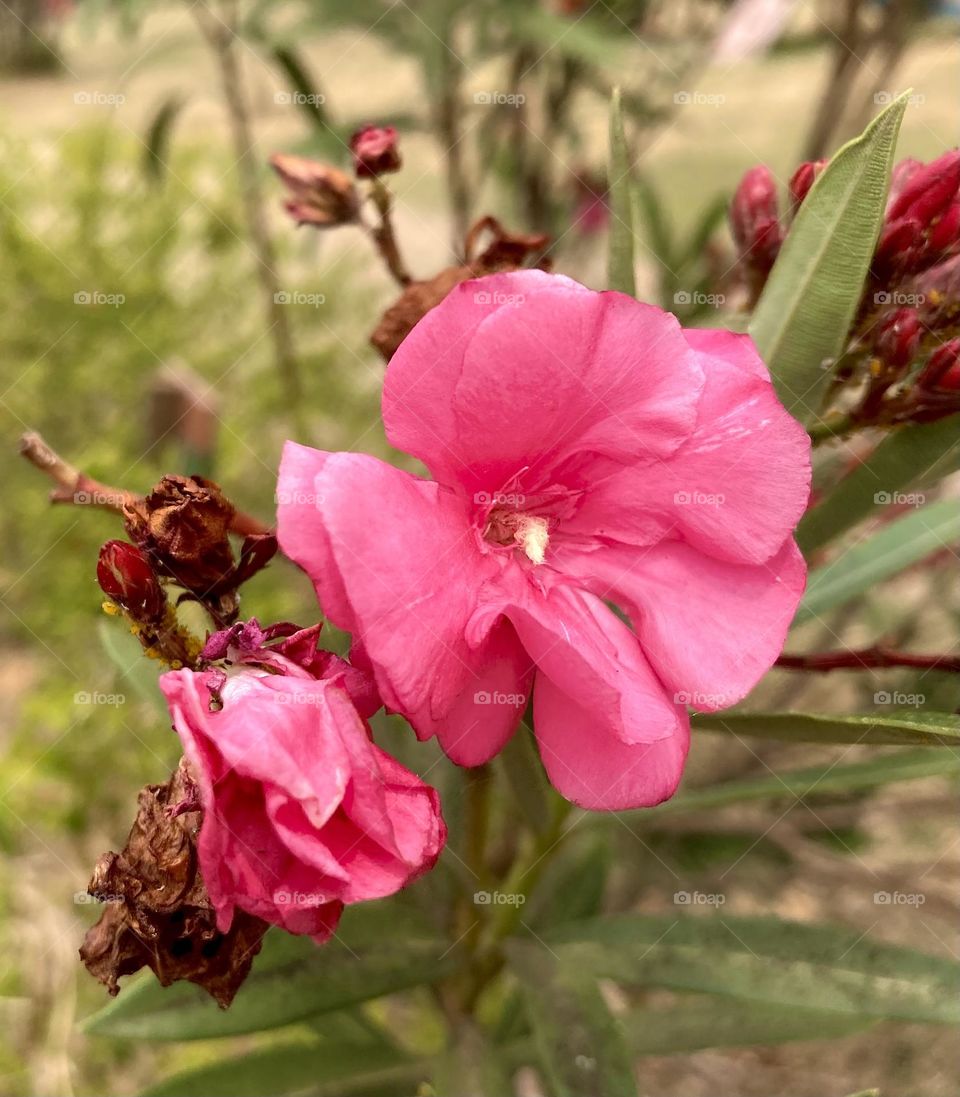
{"x": 158, "y": 913}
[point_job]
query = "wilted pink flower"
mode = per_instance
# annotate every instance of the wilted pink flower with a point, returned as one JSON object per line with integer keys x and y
{"x": 320, "y": 194}
{"x": 584, "y": 449}
{"x": 375, "y": 151}
{"x": 302, "y": 812}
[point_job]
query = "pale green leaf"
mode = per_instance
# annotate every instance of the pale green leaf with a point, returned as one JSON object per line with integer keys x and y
{"x": 620, "y": 275}
{"x": 900, "y": 728}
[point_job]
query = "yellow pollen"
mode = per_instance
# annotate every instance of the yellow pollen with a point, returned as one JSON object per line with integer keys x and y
{"x": 533, "y": 536}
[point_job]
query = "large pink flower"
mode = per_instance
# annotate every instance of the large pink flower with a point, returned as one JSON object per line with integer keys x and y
{"x": 584, "y": 449}
{"x": 302, "y": 812}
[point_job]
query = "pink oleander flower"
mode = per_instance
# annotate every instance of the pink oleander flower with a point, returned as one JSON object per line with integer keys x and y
{"x": 585, "y": 450}
{"x": 302, "y": 813}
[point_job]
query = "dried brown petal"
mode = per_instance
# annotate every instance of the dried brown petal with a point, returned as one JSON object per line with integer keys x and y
{"x": 183, "y": 525}
{"x": 158, "y": 912}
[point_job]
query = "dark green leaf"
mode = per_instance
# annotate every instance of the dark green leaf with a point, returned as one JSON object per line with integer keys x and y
{"x": 801, "y": 321}
{"x": 373, "y": 954}
{"x": 890, "y": 550}
{"x": 524, "y": 772}
{"x": 908, "y": 458}
{"x": 581, "y": 1043}
{"x": 765, "y": 960}
{"x": 818, "y": 780}
{"x": 157, "y": 139}
{"x": 899, "y": 728}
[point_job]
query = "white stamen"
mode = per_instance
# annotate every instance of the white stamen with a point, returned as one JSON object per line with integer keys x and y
{"x": 532, "y": 534}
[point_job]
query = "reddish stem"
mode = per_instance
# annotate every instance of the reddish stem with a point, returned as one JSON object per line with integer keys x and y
{"x": 872, "y": 658}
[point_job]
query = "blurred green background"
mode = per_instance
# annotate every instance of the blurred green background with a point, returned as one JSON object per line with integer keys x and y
{"x": 118, "y": 177}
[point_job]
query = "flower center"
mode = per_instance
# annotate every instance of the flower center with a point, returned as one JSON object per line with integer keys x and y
{"x": 529, "y": 532}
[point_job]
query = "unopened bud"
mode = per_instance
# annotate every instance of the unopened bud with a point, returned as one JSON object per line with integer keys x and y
{"x": 125, "y": 576}
{"x": 320, "y": 194}
{"x": 375, "y": 151}
{"x": 803, "y": 179}
{"x": 942, "y": 371}
{"x": 929, "y": 189}
{"x": 754, "y": 219}
{"x": 898, "y": 338}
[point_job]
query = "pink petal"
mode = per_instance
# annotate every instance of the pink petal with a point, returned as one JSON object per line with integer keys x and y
{"x": 738, "y": 486}
{"x": 522, "y": 371}
{"x": 609, "y": 736}
{"x": 711, "y": 629}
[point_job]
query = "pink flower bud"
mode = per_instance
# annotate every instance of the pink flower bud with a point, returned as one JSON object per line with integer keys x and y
{"x": 899, "y": 338}
{"x": 754, "y": 219}
{"x": 803, "y": 179}
{"x": 125, "y": 576}
{"x": 375, "y": 151}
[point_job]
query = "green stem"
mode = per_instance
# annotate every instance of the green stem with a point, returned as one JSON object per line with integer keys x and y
{"x": 833, "y": 427}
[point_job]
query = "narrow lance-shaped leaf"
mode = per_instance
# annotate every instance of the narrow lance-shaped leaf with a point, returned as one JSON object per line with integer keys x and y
{"x": 764, "y": 960}
{"x": 910, "y": 457}
{"x": 886, "y": 553}
{"x": 620, "y": 274}
{"x": 801, "y": 321}
{"x": 909, "y": 728}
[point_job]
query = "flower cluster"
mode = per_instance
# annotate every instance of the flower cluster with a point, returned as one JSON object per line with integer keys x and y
{"x": 904, "y": 347}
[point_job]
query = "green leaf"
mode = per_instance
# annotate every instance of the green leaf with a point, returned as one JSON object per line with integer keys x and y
{"x": 816, "y": 780}
{"x": 620, "y": 274}
{"x": 373, "y": 954}
{"x": 306, "y": 92}
{"x": 691, "y": 1026}
{"x": 887, "y": 552}
{"x": 910, "y": 456}
{"x": 801, "y": 321}
{"x": 523, "y": 769}
{"x": 764, "y": 960}
{"x": 581, "y": 1043}
{"x": 157, "y": 139}
{"x": 897, "y": 728}
{"x": 366, "y": 1068}
{"x": 471, "y": 1065}
{"x": 136, "y": 671}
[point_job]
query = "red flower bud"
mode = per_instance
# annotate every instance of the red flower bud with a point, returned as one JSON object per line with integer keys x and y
{"x": 754, "y": 219}
{"x": 929, "y": 189}
{"x": 898, "y": 338}
{"x": 945, "y": 233}
{"x": 942, "y": 371}
{"x": 375, "y": 151}
{"x": 125, "y": 576}
{"x": 320, "y": 194}
{"x": 803, "y": 179}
